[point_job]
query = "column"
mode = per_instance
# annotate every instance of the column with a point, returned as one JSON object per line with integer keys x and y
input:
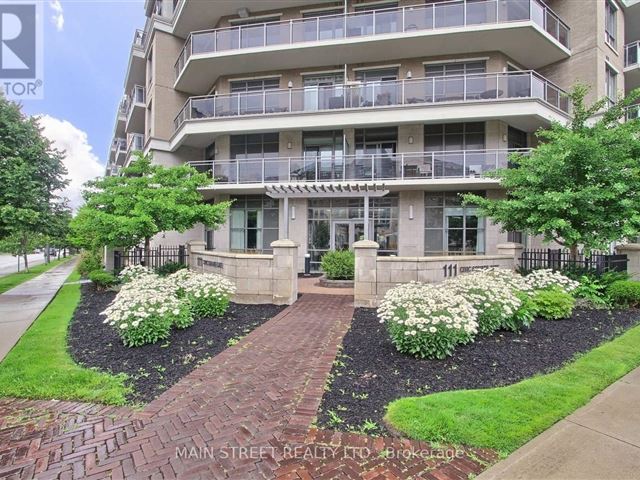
{"x": 513, "y": 250}
{"x": 632, "y": 251}
{"x": 285, "y": 272}
{"x": 365, "y": 280}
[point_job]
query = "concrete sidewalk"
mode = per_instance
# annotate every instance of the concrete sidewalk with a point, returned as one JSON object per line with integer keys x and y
{"x": 21, "y": 305}
{"x": 600, "y": 440}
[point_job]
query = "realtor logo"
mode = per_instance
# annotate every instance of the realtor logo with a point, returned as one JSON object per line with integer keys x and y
{"x": 20, "y": 49}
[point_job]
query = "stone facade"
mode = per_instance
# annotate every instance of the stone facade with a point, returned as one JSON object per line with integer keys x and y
{"x": 258, "y": 278}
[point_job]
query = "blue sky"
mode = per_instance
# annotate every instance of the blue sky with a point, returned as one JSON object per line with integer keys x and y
{"x": 86, "y": 50}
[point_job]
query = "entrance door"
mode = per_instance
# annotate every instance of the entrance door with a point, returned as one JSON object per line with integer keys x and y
{"x": 345, "y": 233}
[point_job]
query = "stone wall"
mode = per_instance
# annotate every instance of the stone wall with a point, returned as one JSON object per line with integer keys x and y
{"x": 258, "y": 278}
{"x": 375, "y": 275}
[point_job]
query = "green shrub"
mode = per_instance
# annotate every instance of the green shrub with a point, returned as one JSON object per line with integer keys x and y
{"x": 552, "y": 304}
{"x": 90, "y": 260}
{"x": 103, "y": 279}
{"x": 169, "y": 268}
{"x": 339, "y": 265}
{"x": 208, "y": 294}
{"x": 625, "y": 292}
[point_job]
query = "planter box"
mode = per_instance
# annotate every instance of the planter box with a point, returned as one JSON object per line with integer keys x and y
{"x": 325, "y": 282}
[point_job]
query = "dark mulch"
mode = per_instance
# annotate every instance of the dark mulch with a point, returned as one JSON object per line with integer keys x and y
{"x": 369, "y": 373}
{"x": 152, "y": 369}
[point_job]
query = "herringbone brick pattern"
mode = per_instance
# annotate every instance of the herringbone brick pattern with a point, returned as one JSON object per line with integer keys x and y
{"x": 245, "y": 414}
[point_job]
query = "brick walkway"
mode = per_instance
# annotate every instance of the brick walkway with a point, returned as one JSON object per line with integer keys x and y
{"x": 245, "y": 414}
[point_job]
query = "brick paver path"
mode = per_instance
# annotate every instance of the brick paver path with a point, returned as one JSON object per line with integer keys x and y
{"x": 245, "y": 414}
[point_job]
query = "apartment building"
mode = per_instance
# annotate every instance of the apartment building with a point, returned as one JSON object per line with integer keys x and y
{"x": 331, "y": 121}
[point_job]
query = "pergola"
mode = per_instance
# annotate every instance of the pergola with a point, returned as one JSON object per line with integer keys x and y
{"x": 329, "y": 189}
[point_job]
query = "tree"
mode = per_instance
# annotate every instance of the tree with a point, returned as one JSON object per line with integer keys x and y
{"x": 31, "y": 172}
{"x": 127, "y": 210}
{"x": 581, "y": 185}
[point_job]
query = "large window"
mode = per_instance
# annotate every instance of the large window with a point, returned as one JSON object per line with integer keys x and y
{"x": 256, "y": 145}
{"x": 610, "y": 84}
{"x": 454, "y": 137}
{"x": 610, "y": 25}
{"x": 450, "y": 227}
{"x": 254, "y": 223}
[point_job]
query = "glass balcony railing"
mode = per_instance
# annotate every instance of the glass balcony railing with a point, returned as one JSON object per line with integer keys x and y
{"x": 135, "y": 142}
{"x": 632, "y": 54}
{"x": 633, "y": 112}
{"x": 136, "y": 97}
{"x": 399, "y": 166}
{"x": 430, "y": 16}
{"x": 410, "y": 92}
{"x": 139, "y": 38}
{"x": 119, "y": 145}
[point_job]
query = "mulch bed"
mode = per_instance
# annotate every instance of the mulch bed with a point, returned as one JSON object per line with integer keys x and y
{"x": 369, "y": 372}
{"x": 152, "y": 369}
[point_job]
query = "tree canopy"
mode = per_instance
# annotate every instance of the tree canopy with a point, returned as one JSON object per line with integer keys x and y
{"x": 581, "y": 185}
{"x": 127, "y": 210}
{"x": 31, "y": 176}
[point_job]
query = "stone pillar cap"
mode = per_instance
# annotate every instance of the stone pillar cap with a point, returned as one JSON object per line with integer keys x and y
{"x": 629, "y": 246}
{"x": 510, "y": 245}
{"x": 284, "y": 243}
{"x": 365, "y": 244}
{"x": 196, "y": 242}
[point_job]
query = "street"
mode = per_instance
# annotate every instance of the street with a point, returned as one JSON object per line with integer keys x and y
{"x": 9, "y": 263}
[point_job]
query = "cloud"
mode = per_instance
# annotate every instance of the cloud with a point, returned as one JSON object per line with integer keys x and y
{"x": 58, "y": 14}
{"x": 82, "y": 164}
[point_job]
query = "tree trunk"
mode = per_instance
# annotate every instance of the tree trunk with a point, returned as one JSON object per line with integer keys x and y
{"x": 573, "y": 252}
{"x": 147, "y": 252}
{"x": 23, "y": 245}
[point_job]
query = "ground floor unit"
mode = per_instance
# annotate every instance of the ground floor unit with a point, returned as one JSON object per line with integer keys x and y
{"x": 404, "y": 222}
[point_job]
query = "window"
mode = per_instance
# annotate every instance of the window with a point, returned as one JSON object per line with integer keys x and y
{"x": 610, "y": 84}
{"x": 256, "y": 145}
{"x": 450, "y": 227}
{"x": 454, "y": 68}
{"x": 454, "y": 137}
{"x": 450, "y": 83}
{"x": 254, "y": 223}
{"x": 610, "y": 26}
{"x": 257, "y": 85}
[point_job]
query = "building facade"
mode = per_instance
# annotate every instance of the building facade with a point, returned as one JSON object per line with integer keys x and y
{"x": 329, "y": 122}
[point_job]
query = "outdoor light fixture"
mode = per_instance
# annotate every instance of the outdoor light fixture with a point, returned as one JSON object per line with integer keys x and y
{"x": 293, "y": 212}
{"x": 410, "y": 139}
{"x": 290, "y": 84}
{"x": 411, "y": 212}
{"x": 289, "y": 145}
{"x": 409, "y": 74}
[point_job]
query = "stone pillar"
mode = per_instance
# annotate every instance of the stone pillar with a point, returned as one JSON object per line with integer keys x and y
{"x": 366, "y": 277}
{"x": 632, "y": 251}
{"x": 512, "y": 249}
{"x": 107, "y": 259}
{"x": 285, "y": 272}
{"x": 194, "y": 246}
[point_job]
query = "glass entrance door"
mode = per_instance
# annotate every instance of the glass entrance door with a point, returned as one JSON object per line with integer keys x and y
{"x": 344, "y": 234}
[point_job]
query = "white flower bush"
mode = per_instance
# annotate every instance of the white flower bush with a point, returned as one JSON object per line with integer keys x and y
{"x": 145, "y": 310}
{"x": 148, "y": 306}
{"x": 427, "y": 321}
{"x": 208, "y": 294}
{"x": 548, "y": 279}
{"x": 497, "y": 295}
{"x": 132, "y": 272}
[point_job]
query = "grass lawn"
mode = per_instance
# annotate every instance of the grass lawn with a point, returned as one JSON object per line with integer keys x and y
{"x": 7, "y": 282}
{"x": 40, "y": 367}
{"x": 507, "y": 417}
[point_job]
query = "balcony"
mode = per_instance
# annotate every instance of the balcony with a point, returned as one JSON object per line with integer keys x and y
{"x": 136, "y": 109}
{"x": 136, "y": 69}
{"x": 633, "y": 113}
{"x": 135, "y": 142}
{"x": 632, "y": 65}
{"x": 400, "y": 168}
{"x": 526, "y": 30}
{"x": 118, "y": 151}
{"x": 411, "y": 100}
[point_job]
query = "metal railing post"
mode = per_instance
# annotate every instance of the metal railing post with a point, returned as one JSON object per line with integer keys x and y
{"x": 289, "y": 174}
{"x": 264, "y": 36}
{"x": 290, "y": 32}
{"x": 464, "y": 164}
{"x": 433, "y": 166}
{"x": 318, "y": 28}
{"x": 239, "y": 36}
{"x": 373, "y": 166}
{"x": 237, "y": 171}
{"x": 404, "y": 22}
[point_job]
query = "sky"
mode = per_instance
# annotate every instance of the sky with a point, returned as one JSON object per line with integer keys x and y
{"x": 86, "y": 50}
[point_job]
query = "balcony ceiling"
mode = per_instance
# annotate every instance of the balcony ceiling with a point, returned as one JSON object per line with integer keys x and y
{"x": 632, "y": 22}
{"x": 136, "y": 71}
{"x": 135, "y": 123}
{"x": 524, "y": 114}
{"x": 522, "y": 41}
{"x": 192, "y": 17}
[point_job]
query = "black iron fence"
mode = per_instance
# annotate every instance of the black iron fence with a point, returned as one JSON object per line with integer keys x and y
{"x": 559, "y": 259}
{"x": 155, "y": 258}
